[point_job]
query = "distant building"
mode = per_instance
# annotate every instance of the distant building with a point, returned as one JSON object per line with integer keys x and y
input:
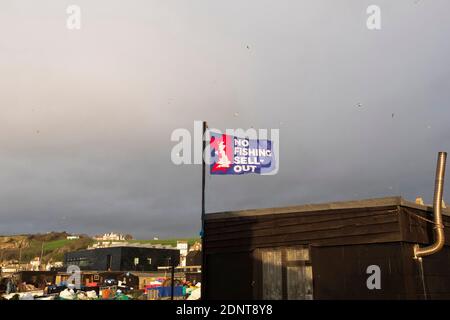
{"x": 107, "y": 244}
{"x": 39, "y": 279}
{"x": 183, "y": 247}
{"x": 35, "y": 264}
{"x": 8, "y": 269}
{"x": 12, "y": 266}
{"x": 123, "y": 258}
{"x": 72, "y": 237}
{"x": 54, "y": 266}
{"x": 110, "y": 237}
{"x": 135, "y": 279}
{"x": 197, "y": 246}
{"x": 194, "y": 258}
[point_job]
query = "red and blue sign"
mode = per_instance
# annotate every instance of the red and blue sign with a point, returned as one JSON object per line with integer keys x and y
{"x": 234, "y": 155}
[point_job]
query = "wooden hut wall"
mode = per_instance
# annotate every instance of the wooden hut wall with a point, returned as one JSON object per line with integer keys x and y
{"x": 353, "y": 238}
{"x": 344, "y": 226}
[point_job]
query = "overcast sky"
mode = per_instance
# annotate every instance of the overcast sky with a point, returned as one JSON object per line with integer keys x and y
{"x": 86, "y": 115}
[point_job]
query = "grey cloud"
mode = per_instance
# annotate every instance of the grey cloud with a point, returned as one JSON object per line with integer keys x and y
{"x": 86, "y": 116}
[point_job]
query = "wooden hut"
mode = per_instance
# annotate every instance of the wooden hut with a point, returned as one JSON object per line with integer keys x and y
{"x": 336, "y": 250}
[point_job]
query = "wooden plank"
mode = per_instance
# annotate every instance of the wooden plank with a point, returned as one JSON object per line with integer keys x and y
{"x": 276, "y": 229}
{"x": 257, "y": 275}
{"x": 229, "y": 276}
{"x": 367, "y": 203}
{"x": 297, "y": 217}
{"x": 382, "y": 237}
{"x": 383, "y": 227}
{"x": 297, "y": 254}
{"x": 272, "y": 274}
{"x": 291, "y": 220}
{"x": 299, "y": 282}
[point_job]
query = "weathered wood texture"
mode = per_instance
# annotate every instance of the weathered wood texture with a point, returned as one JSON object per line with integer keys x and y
{"x": 400, "y": 275}
{"x": 417, "y": 226}
{"x": 229, "y": 276}
{"x": 330, "y": 227}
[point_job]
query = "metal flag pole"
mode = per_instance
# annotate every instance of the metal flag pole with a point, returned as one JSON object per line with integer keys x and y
{"x": 205, "y": 126}
{"x": 172, "y": 271}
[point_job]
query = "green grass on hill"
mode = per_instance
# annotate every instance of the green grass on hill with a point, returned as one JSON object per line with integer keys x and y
{"x": 53, "y": 245}
{"x": 52, "y": 250}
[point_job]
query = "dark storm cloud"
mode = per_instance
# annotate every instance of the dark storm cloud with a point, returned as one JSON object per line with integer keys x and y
{"x": 86, "y": 116}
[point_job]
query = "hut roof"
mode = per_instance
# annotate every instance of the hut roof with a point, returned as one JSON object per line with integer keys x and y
{"x": 366, "y": 203}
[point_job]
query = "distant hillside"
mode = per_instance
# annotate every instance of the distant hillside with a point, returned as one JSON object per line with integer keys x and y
{"x": 55, "y": 245}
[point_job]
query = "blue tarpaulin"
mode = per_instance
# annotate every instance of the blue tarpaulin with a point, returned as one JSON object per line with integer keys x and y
{"x": 166, "y": 291}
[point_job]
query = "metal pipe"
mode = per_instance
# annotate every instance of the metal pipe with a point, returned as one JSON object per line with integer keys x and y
{"x": 172, "y": 285}
{"x": 437, "y": 208}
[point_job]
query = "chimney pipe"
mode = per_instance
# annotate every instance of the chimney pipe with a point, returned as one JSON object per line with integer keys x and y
{"x": 437, "y": 207}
